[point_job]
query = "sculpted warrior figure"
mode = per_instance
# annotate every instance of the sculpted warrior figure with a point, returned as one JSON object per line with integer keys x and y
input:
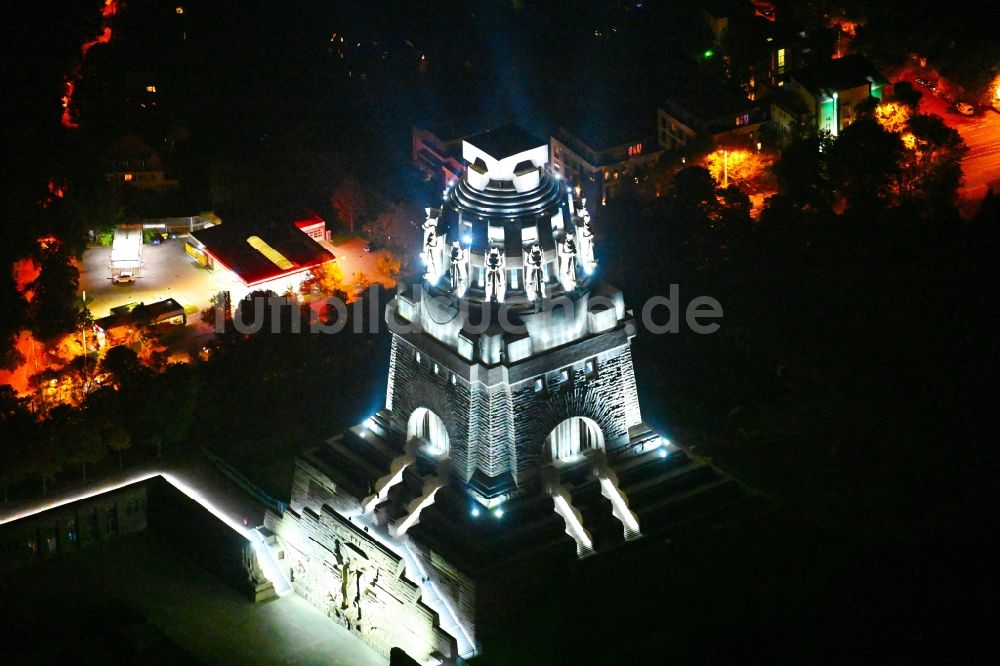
{"x": 430, "y": 222}
{"x": 534, "y": 274}
{"x": 432, "y": 246}
{"x": 496, "y": 279}
{"x": 586, "y": 244}
{"x": 459, "y": 267}
{"x": 567, "y": 261}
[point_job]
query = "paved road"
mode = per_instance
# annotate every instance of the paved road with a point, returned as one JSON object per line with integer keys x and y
{"x": 981, "y": 166}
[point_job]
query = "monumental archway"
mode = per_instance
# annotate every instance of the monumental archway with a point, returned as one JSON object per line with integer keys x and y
{"x": 573, "y": 436}
{"x": 428, "y": 426}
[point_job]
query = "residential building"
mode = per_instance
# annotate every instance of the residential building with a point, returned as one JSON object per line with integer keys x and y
{"x": 833, "y": 89}
{"x": 788, "y": 113}
{"x": 132, "y": 162}
{"x": 437, "y": 151}
{"x": 709, "y": 110}
{"x": 604, "y": 160}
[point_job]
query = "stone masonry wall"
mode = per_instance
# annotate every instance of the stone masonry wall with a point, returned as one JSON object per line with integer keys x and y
{"x": 504, "y": 427}
{"x": 609, "y": 397}
{"x": 347, "y": 574}
{"x": 415, "y": 384}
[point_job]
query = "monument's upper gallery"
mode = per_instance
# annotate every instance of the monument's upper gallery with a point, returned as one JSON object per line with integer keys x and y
{"x": 507, "y": 230}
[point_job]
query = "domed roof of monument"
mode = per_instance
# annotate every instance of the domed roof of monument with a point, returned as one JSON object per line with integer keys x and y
{"x": 505, "y": 141}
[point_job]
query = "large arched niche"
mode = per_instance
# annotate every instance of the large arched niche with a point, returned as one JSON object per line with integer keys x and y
{"x": 428, "y": 426}
{"x": 572, "y": 437}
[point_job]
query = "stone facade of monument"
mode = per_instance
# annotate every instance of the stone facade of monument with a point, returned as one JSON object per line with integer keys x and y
{"x": 511, "y": 440}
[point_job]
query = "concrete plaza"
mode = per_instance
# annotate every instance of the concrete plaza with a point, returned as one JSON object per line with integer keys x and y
{"x": 168, "y": 272}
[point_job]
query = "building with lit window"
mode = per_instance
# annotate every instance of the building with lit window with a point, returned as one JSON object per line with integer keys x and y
{"x": 312, "y": 225}
{"x": 275, "y": 255}
{"x": 789, "y": 114}
{"x": 115, "y": 329}
{"x": 67, "y": 529}
{"x": 132, "y": 162}
{"x": 705, "y": 111}
{"x": 833, "y": 90}
{"x": 511, "y": 440}
{"x": 437, "y": 151}
{"x": 604, "y": 160}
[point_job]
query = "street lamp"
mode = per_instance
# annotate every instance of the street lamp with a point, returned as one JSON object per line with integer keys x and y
{"x": 725, "y": 168}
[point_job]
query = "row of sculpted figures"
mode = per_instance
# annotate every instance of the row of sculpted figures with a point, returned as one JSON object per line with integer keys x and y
{"x": 575, "y": 252}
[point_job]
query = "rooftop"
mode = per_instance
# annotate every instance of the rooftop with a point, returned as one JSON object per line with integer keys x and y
{"x": 153, "y": 313}
{"x": 707, "y": 99}
{"x": 840, "y": 74}
{"x": 601, "y": 132}
{"x": 263, "y": 251}
{"x": 505, "y": 141}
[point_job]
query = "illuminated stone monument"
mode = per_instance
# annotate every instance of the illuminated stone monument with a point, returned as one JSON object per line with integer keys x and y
{"x": 511, "y": 438}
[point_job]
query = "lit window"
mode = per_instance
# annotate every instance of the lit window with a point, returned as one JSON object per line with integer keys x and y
{"x": 128, "y": 177}
{"x": 454, "y": 379}
{"x": 529, "y": 235}
{"x": 781, "y": 60}
{"x": 590, "y": 368}
{"x": 539, "y": 385}
{"x": 437, "y": 369}
{"x": 418, "y": 357}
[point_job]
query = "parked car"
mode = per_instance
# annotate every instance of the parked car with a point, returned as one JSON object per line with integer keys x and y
{"x": 376, "y": 243}
{"x": 965, "y": 109}
{"x": 124, "y": 277}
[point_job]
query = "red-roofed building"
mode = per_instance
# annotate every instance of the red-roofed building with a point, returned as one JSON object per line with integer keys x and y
{"x": 314, "y": 226}
{"x": 275, "y": 255}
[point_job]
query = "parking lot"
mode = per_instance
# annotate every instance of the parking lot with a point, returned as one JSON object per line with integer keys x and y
{"x": 167, "y": 272}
